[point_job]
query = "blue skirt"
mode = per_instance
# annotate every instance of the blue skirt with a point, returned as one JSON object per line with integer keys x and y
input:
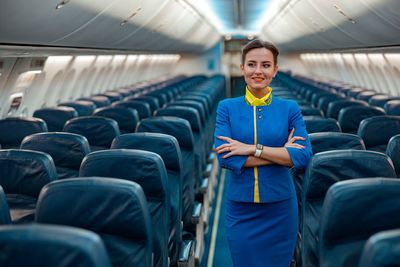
{"x": 262, "y": 234}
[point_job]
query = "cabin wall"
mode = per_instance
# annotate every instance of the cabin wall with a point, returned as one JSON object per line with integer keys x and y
{"x": 378, "y": 69}
{"x": 65, "y": 78}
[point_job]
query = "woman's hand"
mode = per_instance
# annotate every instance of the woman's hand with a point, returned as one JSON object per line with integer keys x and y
{"x": 234, "y": 147}
{"x": 292, "y": 139}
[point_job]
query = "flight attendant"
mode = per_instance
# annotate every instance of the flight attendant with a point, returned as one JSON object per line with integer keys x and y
{"x": 259, "y": 137}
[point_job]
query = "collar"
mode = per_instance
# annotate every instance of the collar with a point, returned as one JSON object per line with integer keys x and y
{"x": 254, "y": 101}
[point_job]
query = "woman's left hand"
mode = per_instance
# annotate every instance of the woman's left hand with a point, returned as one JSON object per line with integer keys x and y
{"x": 234, "y": 147}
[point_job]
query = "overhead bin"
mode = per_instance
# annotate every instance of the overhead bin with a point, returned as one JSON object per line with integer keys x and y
{"x": 151, "y": 25}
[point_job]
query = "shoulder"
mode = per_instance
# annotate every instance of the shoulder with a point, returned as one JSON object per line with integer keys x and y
{"x": 290, "y": 104}
{"x": 231, "y": 101}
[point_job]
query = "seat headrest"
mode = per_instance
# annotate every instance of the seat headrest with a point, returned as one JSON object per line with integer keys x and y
{"x": 358, "y": 208}
{"x": 382, "y": 250}
{"x": 380, "y": 100}
{"x": 103, "y": 205}
{"x": 162, "y": 144}
{"x": 199, "y": 106}
{"x": 151, "y": 100}
{"x": 392, "y": 107}
{"x": 112, "y": 96}
{"x": 84, "y": 108}
{"x": 378, "y": 130}
{"x": 144, "y": 167}
{"x": 335, "y": 106}
{"x": 56, "y": 117}
{"x": 141, "y": 107}
{"x": 335, "y": 141}
{"x": 177, "y": 127}
{"x": 66, "y": 149}
{"x": 13, "y": 130}
{"x": 328, "y": 167}
{"x": 5, "y": 217}
{"x": 127, "y": 118}
{"x": 25, "y": 171}
{"x": 99, "y": 101}
{"x": 99, "y": 131}
{"x": 187, "y": 113}
{"x": 350, "y": 117}
{"x": 51, "y": 245}
{"x": 316, "y": 124}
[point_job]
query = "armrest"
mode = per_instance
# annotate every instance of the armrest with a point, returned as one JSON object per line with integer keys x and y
{"x": 203, "y": 186}
{"x": 196, "y": 212}
{"x": 207, "y": 171}
{"x": 186, "y": 253}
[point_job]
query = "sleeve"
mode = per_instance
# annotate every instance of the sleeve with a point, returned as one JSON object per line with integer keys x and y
{"x": 223, "y": 128}
{"x": 299, "y": 157}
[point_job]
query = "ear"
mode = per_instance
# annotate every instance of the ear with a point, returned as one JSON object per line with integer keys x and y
{"x": 242, "y": 68}
{"x": 276, "y": 70}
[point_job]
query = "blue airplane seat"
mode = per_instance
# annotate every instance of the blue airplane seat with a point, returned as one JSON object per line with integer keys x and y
{"x": 5, "y": 217}
{"x": 50, "y": 245}
{"x": 380, "y": 100}
{"x": 141, "y": 107}
{"x": 335, "y": 107}
{"x": 205, "y": 101}
{"x": 377, "y": 131}
{"x": 382, "y": 250}
{"x": 56, "y": 117}
{"x": 148, "y": 170}
{"x": 324, "y": 101}
{"x": 352, "y": 212}
{"x": 66, "y": 149}
{"x": 115, "y": 209}
{"x": 310, "y": 111}
{"x": 168, "y": 148}
{"x": 366, "y": 95}
{"x": 392, "y": 107}
{"x": 199, "y": 106}
{"x": 181, "y": 130}
{"x": 162, "y": 98}
{"x": 99, "y": 100}
{"x": 23, "y": 173}
{"x": 84, "y": 108}
{"x": 319, "y": 124}
{"x": 327, "y": 141}
{"x": 13, "y": 130}
{"x": 99, "y": 131}
{"x": 127, "y": 118}
{"x": 112, "y": 96}
{"x": 350, "y": 117}
{"x": 151, "y": 100}
{"x": 325, "y": 169}
{"x": 393, "y": 151}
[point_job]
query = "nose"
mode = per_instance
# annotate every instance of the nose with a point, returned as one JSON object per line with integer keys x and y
{"x": 258, "y": 69}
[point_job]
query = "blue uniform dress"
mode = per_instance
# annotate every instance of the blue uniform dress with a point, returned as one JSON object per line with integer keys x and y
{"x": 261, "y": 207}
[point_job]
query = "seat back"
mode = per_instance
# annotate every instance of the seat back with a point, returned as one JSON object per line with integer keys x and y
{"x": 350, "y": 117}
{"x": 393, "y": 151}
{"x": 148, "y": 170}
{"x": 316, "y": 124}
{"x": 152, "y": 101}
{"x": 99, "y": 131}
{"x": 84, "y": 108}
{"x": 127, "y": 118}
{"x": 382, "y": 250}
{"x": 115, "y": 209}
{"x": 352, "y": 212}
{"x": 392, "y": 107}
{"x": 168, "y": 148}
{"x": 325, "y": 169}
{"x": 55, "y": 118}
{"x": 181, "y": 130}
{"x": 13, "y": 130}
{"x": 50, "y": 245}
{"x": 377, "y": 131}
{"x": 98, "y": 100}
{"x": 66, "y": 149}
{"x": 23, "y": 173}
{"x": 381, "y": 100}
{"x": 5, "y": 217}
{"x": 335, "y": 106}
{"x": 142, "y": 108}
{"x": 335, "y": 141}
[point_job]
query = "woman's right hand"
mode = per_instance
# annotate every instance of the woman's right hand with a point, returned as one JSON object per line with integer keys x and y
{"x": 292, "y": 139}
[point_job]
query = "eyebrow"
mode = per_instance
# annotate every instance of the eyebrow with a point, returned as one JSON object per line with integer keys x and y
{"x": 268, "y": 61}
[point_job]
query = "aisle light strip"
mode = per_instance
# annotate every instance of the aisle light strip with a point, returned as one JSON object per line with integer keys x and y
{"x": 216, "y": 220}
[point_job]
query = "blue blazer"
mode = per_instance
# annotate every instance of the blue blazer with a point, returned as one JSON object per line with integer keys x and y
{"x": 271, "y": 126}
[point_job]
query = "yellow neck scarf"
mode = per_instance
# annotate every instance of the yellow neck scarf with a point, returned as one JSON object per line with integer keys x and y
{"x": 254, "y": 101}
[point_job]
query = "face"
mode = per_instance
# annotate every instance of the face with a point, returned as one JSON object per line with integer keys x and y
{"x": 258, "y": 69}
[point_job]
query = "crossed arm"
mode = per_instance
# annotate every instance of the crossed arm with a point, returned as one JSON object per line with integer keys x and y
{"x": 269, "y": 155}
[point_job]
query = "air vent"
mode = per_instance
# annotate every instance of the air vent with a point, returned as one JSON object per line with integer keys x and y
{"x": 62, "y": 4}
{"x": 131, "y": 16}
{"x": 37, "y": 63}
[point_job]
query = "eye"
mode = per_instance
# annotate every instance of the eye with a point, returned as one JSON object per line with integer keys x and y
{"x": 250, "y": 64}
{"x": 266, "y": 65}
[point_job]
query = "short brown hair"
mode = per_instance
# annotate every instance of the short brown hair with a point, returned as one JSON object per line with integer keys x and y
{"x": 256, "y": 43}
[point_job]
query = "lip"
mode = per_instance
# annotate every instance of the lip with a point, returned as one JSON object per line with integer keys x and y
{"x": 258, "y": 79}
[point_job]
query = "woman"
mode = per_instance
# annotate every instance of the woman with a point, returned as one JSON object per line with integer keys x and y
{"x": 259, "y": 137}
